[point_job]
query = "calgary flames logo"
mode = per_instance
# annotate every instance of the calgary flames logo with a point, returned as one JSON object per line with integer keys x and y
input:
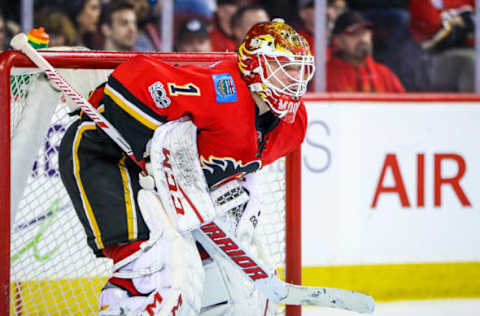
{"x": 221, "y": 170}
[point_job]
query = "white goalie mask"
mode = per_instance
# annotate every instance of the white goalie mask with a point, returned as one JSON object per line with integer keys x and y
{"x": 277, "y": 64}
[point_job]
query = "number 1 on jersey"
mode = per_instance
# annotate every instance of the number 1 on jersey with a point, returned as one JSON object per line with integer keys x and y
{"x": 187, "y": 89}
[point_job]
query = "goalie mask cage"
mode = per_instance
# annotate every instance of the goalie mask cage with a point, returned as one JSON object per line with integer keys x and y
{"x": 46, "y": 266}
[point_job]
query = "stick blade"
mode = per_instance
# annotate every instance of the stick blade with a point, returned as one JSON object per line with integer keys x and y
{"x": 329, "y": 297}
{"x": 19, "y": 41}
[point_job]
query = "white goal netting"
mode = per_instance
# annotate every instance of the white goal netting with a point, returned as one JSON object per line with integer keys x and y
{"x": 52, "y": 270}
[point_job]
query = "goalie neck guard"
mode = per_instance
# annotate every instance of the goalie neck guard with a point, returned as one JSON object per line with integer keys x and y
{"x": 276, "y": 63}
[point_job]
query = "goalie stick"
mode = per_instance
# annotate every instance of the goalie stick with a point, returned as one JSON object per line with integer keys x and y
{"x": 211, "y": 234}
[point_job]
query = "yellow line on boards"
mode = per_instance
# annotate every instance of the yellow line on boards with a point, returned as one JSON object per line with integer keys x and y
{"x": 391, "y": 282}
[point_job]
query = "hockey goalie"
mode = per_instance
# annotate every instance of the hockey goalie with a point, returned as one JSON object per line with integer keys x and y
{"x": 202, "y": 133}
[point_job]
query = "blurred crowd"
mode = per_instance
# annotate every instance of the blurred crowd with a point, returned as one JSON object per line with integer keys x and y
{"x": 372, "y": 45}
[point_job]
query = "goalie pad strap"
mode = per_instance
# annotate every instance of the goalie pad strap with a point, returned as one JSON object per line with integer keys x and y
{"x": 125, "y": 284}
{"x": 122, "y": 255}
{"x": 120, "y": 252}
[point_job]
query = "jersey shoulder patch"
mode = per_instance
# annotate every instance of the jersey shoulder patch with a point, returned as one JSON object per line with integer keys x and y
{"x": 225, "y": 90}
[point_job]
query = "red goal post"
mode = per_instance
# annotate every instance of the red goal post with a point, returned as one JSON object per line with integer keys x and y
{"x": 15, "y": 292}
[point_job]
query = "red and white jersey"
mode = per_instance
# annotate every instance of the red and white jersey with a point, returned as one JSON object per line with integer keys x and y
{"x": 232, "y": 139}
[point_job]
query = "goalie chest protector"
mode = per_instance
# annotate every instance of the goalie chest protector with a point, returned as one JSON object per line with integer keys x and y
{"x": 232, "y": 138}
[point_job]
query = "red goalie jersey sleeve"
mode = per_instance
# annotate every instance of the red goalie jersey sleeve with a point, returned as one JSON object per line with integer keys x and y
{"x": 232, "y": 140}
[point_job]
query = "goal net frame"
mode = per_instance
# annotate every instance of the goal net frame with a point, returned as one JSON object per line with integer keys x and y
{"x": 10, "y": 59}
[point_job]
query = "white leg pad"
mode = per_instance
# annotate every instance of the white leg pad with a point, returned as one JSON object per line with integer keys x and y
{"x": 180, "y": 282}
{"x": 169, "y": 268}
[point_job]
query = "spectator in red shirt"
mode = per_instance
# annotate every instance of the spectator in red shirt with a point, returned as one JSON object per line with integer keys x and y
{"x": 445, "y": 29}
{"x": 221, "y": 34}
{"x": 351, "y": 68}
